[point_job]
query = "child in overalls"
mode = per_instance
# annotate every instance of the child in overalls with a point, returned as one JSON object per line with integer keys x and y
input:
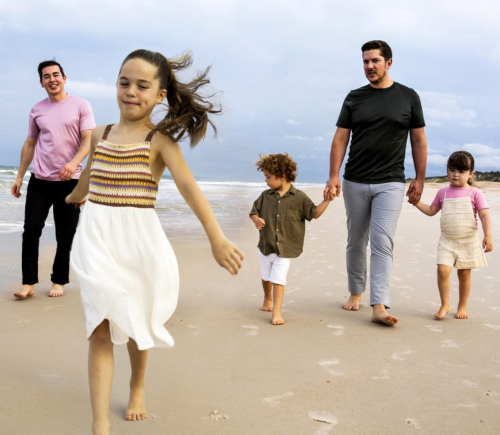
{"x": 459, "y": 245}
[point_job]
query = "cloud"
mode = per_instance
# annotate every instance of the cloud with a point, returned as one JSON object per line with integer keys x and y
{"x": 296, "y": 137}
{"x": 319, "y": 138}
{"x": 292, "y": 122}
{"x": 91, "y": 89}
{"x": 477, "y": 149}
{"x": 494, "y": 54}
{"x": 440, "y": 108}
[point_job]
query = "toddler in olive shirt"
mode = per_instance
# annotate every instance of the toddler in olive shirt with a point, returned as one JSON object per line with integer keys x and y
{"x": 279, "y": 214}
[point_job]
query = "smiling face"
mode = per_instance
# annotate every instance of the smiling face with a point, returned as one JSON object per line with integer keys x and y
{"x": 138, "y": 90}
{"x": 375, "y": 66}
{"x": 458, "y": 177}
{"x": 53, "y": 81}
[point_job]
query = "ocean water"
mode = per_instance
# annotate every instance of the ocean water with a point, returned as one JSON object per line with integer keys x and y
{"x": 231, "y": 202}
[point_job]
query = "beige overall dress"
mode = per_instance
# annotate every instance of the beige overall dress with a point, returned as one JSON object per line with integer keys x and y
{"x": 459, "y": 245}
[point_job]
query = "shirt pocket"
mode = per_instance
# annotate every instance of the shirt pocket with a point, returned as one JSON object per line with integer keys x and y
{"x": 293, "y": 214}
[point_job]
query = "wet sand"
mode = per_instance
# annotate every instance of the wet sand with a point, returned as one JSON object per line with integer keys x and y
{"x": 326, "y": 371}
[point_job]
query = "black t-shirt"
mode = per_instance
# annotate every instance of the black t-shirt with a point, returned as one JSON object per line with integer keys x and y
{"x": 380, "y": 120}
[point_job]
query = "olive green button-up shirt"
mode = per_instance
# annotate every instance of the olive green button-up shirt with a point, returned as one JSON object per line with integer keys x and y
{"x": 285, "y": 217}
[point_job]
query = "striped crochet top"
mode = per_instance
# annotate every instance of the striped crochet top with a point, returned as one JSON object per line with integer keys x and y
{"x": 120, "y": 175}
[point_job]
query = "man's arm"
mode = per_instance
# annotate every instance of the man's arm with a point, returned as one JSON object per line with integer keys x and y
{"x": 337, "y": 154}
{"x": 69, "y": 169}
{"x": 418, "y": 142}
{"x": 27, "y": 153}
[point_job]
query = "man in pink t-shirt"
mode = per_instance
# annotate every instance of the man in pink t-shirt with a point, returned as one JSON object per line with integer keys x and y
{"x": 58, "y": 141}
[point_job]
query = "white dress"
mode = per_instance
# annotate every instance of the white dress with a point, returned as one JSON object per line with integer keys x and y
{"x": 126, "y": 266}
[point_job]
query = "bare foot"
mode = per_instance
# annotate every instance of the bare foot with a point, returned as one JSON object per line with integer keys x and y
{"x": 26, "y": 291}
{"x": 461, "y": 313}
{"x": 101, "y": 428}
{"x": 136, "y": 409}
{"x": 267, "y": 305}
{"x": 352, "y": 303}
{"x": 380, "y": 315}
{"x": 442, "y": 312}
{"x": 56, "y": 291}
{"x": 277, "y": 320}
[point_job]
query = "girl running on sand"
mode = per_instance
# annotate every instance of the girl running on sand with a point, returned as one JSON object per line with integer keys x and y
{"x": 126, "y": 266}
{"x": 459, "y": 244}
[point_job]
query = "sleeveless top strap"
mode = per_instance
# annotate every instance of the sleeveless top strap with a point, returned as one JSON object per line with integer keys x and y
{"x": 106, "y": 131}
{"x": 445, "y": 190}
{"x": 150, "y": 135}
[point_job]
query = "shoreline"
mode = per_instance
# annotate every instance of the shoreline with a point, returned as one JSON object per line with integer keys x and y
{"x": 324, "y": 364}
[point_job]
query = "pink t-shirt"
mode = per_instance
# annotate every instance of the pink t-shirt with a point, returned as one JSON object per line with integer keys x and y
{"x": 477, "y": 198}
{"x": 58, "y": 126}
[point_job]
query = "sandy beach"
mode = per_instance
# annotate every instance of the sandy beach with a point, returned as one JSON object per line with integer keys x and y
{"x": 326, "y": 371}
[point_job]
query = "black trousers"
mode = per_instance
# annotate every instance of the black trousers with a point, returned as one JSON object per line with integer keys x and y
{"x": 42, "y": 195}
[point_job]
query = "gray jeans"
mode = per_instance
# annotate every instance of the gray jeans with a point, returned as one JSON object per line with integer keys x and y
{"x": 372, "y": 213}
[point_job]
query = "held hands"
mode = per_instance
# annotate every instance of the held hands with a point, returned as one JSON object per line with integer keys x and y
{"x": 16, "y": 188}
{"x": 258, "y": 221}
{"x": 487, "y": 244}
{"x": 227, "y": 255}
{"x": 415, "y": 192}
{"x": 67, "y": 172}
{"x": 332, "y": 189}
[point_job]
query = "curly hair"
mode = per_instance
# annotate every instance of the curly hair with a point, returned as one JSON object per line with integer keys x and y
{"x": 278, "y": 165}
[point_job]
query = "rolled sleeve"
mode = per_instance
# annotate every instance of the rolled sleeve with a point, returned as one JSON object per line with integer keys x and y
{"x": 257, "y": 206}
{"x": 309, "y": 209}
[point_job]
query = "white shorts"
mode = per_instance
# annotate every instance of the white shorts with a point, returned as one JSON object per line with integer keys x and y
{"x": 274, "y": 268}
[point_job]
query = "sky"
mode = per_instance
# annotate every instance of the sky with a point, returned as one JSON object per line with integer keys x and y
{"x": 282, "y": 70}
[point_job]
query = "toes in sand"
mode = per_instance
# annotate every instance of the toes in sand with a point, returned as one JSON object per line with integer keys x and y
{"x": 440, "y": 315}
{"x": 56, "y": 291}
{"x": 136, "y": 409}
{"x": 385, "y": 319}
{"x": 25, "y": 292}
{"x": 352, "y": 303}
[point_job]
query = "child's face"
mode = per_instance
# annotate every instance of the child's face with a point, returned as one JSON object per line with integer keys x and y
{"x": 458, "y": 178}
{"x": 273, "y": 181}
{"x": 138, "y": 90}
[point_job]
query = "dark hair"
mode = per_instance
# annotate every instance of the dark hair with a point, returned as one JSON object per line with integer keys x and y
{"x": 278, "y": 165}
{"x": 47, "y": 63}
{"x": 383, "y": 46}
{"x": 188, "y": 110}
{"x": 463, "y": 161}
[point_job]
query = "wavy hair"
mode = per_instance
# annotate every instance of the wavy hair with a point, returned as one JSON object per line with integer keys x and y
{"x": 188, "y": 110}
{"x": 278, "y": 165}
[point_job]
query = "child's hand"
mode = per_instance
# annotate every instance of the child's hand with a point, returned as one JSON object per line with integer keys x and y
{"x": 227, "y": 255}
{"x": 259, "y": 222}
{"x": 487, "y": 244}
{"x": 70, "y": 200}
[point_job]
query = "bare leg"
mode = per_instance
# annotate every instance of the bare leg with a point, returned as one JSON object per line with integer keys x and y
{"x": 56, "y": 291}
{"x": 25, "y": 292}
{"x": 464, "y": 291}
{"x": 278, "y": 291}
{"x": 380, "y": 315}
{"x": 101, "y": 367}
{"x": 352, "y": 303}
{"x": 267, "y": 305}
{"x": 443, "y": 275}
{"x": 136, "y": 409}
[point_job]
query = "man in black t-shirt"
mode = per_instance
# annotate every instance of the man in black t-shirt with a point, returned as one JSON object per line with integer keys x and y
{"x": 380, "y": 115}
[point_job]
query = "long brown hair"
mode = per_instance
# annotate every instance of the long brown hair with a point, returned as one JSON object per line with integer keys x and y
{"x": 188, "y": 110}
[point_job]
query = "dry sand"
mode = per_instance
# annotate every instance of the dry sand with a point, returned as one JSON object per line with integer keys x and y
{"x": 327, "y": 371}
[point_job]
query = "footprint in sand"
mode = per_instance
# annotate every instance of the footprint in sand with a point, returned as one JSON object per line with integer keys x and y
{"x": 276, "y": 400}
{"x": 252, "y": 329}
{"x": 292, "y": 290}
{"x": 413, "y": 422}
{"x": 384, "y": 374}
{"x": 493, "y": 395}
{"x": 328, "y": 363}
{"x": 253, "y": 295}
{"x": 449, "y": 343}
{"x": 337, "y": 329}
{"x": 495, "y": 327}
{"x": 195, "y": 328}
{"x": 400, "y": 354}
{"x": 395, "y": 278}
{"x": 480, "y": 299}
{"x": 328, "y": 420}
{"x": 469, "y": 383}
{"x": 434, "y": 328}
{"x": 24, "y": 321}
{"x": 50, "y": 307}
{"x": 497, "y": 309}
{"x": 467, "y": 405}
